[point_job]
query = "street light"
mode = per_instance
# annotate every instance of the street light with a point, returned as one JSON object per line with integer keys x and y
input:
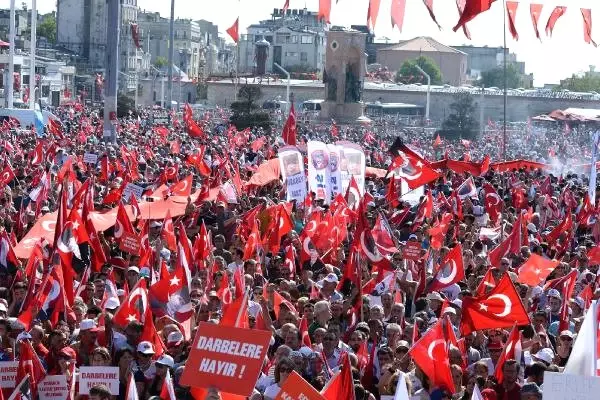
{"x": 428, "y": 91}
{"x": 162, "y": 85}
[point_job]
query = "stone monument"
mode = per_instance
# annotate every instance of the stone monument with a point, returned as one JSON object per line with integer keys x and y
{"x": 345, "y": 64}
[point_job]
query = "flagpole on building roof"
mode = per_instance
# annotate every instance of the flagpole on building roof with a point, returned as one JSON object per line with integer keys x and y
{"x": 505, "y": 82}
{"x": 11, "y": 58}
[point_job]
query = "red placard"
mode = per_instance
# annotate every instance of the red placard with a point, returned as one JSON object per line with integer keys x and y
{"x": 296, "y": 388}
{"x": 130, "y": 243}
{"x": 227, "y": 358}
{"x": 412, "y": 251}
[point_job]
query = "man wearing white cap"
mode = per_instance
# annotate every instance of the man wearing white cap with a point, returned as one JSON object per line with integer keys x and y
{"x": 144, "y": 369}
{"x": 88, "y": 334}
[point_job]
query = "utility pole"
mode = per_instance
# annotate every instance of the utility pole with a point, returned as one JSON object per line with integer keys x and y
{"x": 113, "y": 28}
{"x": 171, "y": 54}
{"x": 32, "y": 55}
{"x": 11, "y": 57}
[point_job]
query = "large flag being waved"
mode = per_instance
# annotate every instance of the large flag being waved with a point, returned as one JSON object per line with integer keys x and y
{"x": 450, "y": 271}
{"x": 535, "y": 270}
{"x": 472, "y": 9}
{"x": 501, "y": 308}
{"x": 583, "y": 359}
{"x": 289, "y": 129}
{"x": 233, "y": 30}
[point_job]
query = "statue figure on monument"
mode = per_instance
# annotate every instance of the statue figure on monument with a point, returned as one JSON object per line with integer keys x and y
{"x": 352, "y": 90}
{"x": 331, "y": 82}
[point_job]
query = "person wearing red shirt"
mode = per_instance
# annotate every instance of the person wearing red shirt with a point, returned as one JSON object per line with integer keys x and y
{"x": 509, "y": 389}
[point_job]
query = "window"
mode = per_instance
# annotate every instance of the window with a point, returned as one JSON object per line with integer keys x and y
{"x": 294, "y": 38}
{"x": 304, "y": 56}
{"x": 306, "y": 39}
{"x": 291, "y": 54}
{"x": 280, "y": 39}
{"x": 269, "y": 39}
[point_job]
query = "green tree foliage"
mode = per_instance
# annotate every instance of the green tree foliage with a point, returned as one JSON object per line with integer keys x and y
{"x": 409, "y": 73}
{"x": 47, "y": 28}
{"x": 160, "y": 62}
{"x": 495, "y": 77}
{"x": 461, "y": 123}
{"x": 246, "y": 112}
{"x": 581, "y": 83}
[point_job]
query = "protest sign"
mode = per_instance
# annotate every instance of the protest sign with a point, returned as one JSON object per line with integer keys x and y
{"x": 132, "y": 189}
{"x": 8, "y": 374}
{"x": 53, "y": 387}
{"x": 90, "y": 158}
{"x": 292, "y": 172}
{"x": 227, "y": 358}
{"x": 411, "y": 251}
{"x": 130, "y": 243}
{"x": 296, "y": 388}
{"x": 561, "y": 386}
{"x": 92, "y": 376}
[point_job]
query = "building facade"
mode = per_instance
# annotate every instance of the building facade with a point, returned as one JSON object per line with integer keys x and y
{"x": 296, "y": 41}
{"x": 452, "y": 62}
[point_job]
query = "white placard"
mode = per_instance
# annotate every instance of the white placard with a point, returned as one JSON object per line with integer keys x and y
{"x": 335, "y": 173}
{"x": 318, "y": 170}
{"x": 292, "y": 172}
{"x": 561, "y": 386}
{"x": 53, "y": 387}
{"x": 8, "y": 374}
{"x": 92, "y": 376}
{"x": 352, "y": 164}
{"x": 90, "y": 158}
{"x": 132, "y": 189}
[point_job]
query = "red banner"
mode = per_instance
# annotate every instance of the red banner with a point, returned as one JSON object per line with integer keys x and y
{"x": 296, "y": 388}
{"x": 130, "y": 243}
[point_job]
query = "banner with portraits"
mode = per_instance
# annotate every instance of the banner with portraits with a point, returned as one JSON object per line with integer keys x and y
{"x": 352, "y": 163}
{"x": 292, "y": 172}
{"x": 319, "y": 180}
{"x": 335, "y": 176}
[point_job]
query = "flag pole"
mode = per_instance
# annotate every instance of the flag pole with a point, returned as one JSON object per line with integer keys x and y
{"x": 505, "y": 82}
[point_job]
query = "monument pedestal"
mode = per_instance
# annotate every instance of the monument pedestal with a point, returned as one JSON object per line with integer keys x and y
{"x": 345, "y": 113}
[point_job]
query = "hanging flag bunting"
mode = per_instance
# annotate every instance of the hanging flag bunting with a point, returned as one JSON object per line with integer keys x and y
{"x": 558, "y": 12}
{"x": 535, "y": 10}
{"x": 586, "y": 13}
{"x": 372, "y": 13}
{"x": 429, "y": 5}
{"x": 135, "y": 35}
{"x": 460, "y": 5}
{"x": 233, "y": 31}
{"x": 286, "y": 5}
{"x": 511, "y": 12}
{"x": 472, "y": 9}
{"x": 324, "y": 10}
{"x": 397, "y": 13}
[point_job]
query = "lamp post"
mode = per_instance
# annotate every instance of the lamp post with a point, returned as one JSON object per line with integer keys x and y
{"x": 428, "y": 91}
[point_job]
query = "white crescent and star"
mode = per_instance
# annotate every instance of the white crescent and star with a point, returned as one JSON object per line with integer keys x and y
{"x": 373, "y": 257}
{"x": 507, "y": 304}
{"x": 432, "y": 346}
{"x": 451, "y": 276}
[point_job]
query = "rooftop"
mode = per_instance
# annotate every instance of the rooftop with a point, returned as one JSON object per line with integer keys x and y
{"x": 423, "y": 44}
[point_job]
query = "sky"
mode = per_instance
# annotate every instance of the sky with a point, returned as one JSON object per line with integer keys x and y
{"x": 550, "y": 60}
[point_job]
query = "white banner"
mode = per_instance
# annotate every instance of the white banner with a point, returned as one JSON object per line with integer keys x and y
{"x": 8, "y": 374}
{"x": 334, "y": 169}
{"x": 352, "y": 163}
{"x": 292, "y": 172}
{"x": 90, "y": 158}
{"x": 91, "y": 376}
{"x": 561, "y": 386}
{"x": 132, "y": 189}
{"x": 319, "y": 181}
{"x": 53, "y": 387}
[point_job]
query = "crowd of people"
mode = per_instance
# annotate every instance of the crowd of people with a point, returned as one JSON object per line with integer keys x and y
{"x": 343, "y": 306}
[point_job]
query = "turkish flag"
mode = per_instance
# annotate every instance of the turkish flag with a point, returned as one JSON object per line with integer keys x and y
{"x": 430, "y": 353}
{"x": 397, "y": 13}
{"x": 472, "y": 9}
{"x": 341, "y": 385}
{"x": 511, "y": 351}
{"x": 236, "y": 314}
{"x": 429, "y": 5}
{"x": 501, "y": 308}
{"x": 454, "y": 261}
{"x": 134, "y": 307}
{"x": 492, "y": 202}
{"x": 511, "y": 11}
{"x": 324, "y": 10}
{"x": 558, "y": 12}
{"x": 29, "y": 363}
{"x": 565, "y": 226}
{"x": 373, "y": 12}
{"x": 535, "y": 270}
{"x": 7, "y": 175}
{"x": 535, "y": 10}
{"x": 182, "y": 188}
{"x": 167, "y": 234}
{"x": 289, "y": 129}
{"x": 233, "y": 30}
{"x": 303, "y": 328}
{"x": 415, "y": 172}
{"x": 488, "y": 282}
{"x": 122, "y": 223}
{"x": 439, "y": 230}
{"x": 586, "y": 13}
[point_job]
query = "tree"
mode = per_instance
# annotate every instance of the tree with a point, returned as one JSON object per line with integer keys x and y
{"x": 47, "y": 28}
{"x": 246, "y": 113}
{"x": 160, "y": 62}
{"x": 581, "y": 83}
{"x": 409, "y": 73}
{"x": 460, "y": 123}
{"x": 495, "y": 77}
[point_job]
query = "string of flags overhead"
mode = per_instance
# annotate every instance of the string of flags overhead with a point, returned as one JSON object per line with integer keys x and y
{"x": 467, "y": 10}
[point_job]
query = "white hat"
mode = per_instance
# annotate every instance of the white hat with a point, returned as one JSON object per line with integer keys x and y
{"x": 165, "y": 253}
{"x": 145, "y": 347}
{"x": 545, "y": 354}
{"x": 331, "y": 278}
{"x": 88, "y": 325}
{"x": 434, "y": 296}
{"x": 155, "y": 224}
{"x": 531, "y": 227}
{"x": 3, "y": 307}
{"x": 554, "y": 293}
{"x": 134, "y": 269}
{"x": 174, "y": 338}
{"x": 112, "y": 303}
{"x": 23, "y": 336}
{"x": 167, "y": 360}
